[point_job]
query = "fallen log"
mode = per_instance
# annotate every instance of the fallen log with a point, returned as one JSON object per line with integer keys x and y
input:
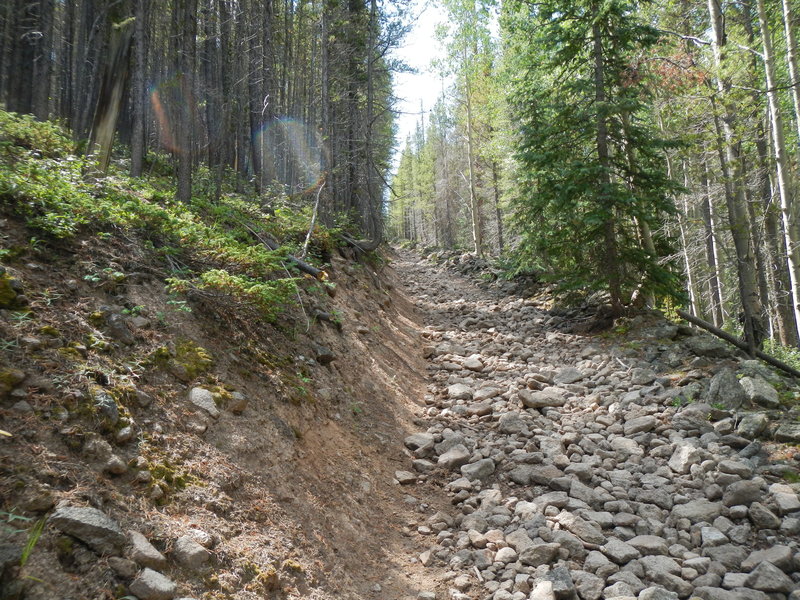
{"x": 738, "y": 343}
{"x": 273, "y": 245}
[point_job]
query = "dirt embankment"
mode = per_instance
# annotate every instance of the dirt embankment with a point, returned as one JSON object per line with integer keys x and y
{"x": 257, "y": 460}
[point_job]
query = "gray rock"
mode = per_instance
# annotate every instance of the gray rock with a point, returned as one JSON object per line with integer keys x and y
{"x": 481, "y": 469}
{"x": 152, "y": 585}
{"x": 588, "y": 585}
{"x": 621, "y": 552}
{"x": 405, "y": 477}
{"x": 563, "y": 586}
{"x": 542, "y": 591}
{"x": 728, "y": 554}
{"x": 640, "y": 425}
{"x": 511, "y": 423}
{"x": 741, "y": 493}
{"x": 779, "y": 555}
{"x": 698, "y": 510}
{"x": 704, "y": 345}
{"x": 649, "y": 544}
{"x": 188, "y": 553}
{"x": 455, "y": 457}
{"x": 539, "y": 554}
{"x": 659, "y": 564}
{"x": 421, "y": 444}
{"x": 766, "y": 577}
{"x": 144, "y": 553}
{"x": 473, "y": 363}
{"x": 726, "y": 390}
{"x": 91, "y": 526}
{"x": 752, "y": 425}
{"x": 459, "y": 391}
{"x": 547, "y": 397}
{"x": 684, "y": 456}
{"x": 762, "y": 517}
{"x": 204, "y": 400}
{"x": 760, "y": 392}
{"x": 568, "y": 375}
{"x": 106, "y": 405}
{"x": 788, "y": 432}
{"x": 582, "y": 528}
{"x": 323, "y": 355}
{"x": 657, "y": 593}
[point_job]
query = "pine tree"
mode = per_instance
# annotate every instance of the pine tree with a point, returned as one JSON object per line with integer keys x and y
{"x": 584, "y": 205}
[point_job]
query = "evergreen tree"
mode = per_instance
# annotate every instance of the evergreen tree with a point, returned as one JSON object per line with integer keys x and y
{"x": 591, "y": 173}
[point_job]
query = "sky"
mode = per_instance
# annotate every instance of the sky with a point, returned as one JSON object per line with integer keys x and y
{"x": 420, "y": 47}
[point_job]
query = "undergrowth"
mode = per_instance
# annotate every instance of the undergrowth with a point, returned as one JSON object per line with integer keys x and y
{"x": 208, "y": 244}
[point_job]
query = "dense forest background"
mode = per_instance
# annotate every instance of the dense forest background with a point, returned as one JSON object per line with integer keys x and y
{"x": 284, "y": 99}
{"x": 648, "y": 150}
{"x": 645, "y": 151}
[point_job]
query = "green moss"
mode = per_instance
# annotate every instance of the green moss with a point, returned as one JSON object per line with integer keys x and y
{"x": 97, "y": 319}
{"x": 49, "y": 330}
{"x": 9, "y": 379}
{"x": 8, "y": 296}
{"x": 187, "y": 361}
{"x": 70, "y": 353}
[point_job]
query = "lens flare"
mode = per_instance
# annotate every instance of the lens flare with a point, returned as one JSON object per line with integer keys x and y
{"x": 173, "y": 105}
{"x": 290, "y": 154}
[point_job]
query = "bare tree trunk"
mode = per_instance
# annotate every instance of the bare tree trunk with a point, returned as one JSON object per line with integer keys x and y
{"x": 791, "y": 227}
{"x": 187, "y": 19}
{"x": 43, "y": 68}
{"x": 735, "y": 197}
{"x": 139, "y": 75}
{"x": 715, "y": 293}
{"x": 498, "y": 215}
{"x": 475, "y": 203}
{"x": 791, "y": 58}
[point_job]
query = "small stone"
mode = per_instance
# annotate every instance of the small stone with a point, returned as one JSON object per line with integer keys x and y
{"x": 405, "y": 477}
{"x": 152, "y": 585}
{"x": 123, "y": 567}
{"x": 620, "y": 552}
{"x": 545, "y": 398}
{"x": 204, "y": 400}
{"x": 780, "y": 556}
{"x": 725, "y": 389}
{"x": 752, "y": 425}
{"x": 568, "y": 375}
{"x": 421, "y": 444}
{"x": 323, "y": 355}
{"x": 124, "y": 435}
{"x": 473, "y": 363}
{"x": 455, "y": 457}
{"x": 657, "y": 593}
{"x": 144, "y": 553}
{"x": 481, "y": 469}
{"x": 115, "y": 465}
{"x": 760, "y": 391}
{"x": 238, "y": 403}
{"x": 640, "y": 425}
{"x": 93, "y": 527}
{"x": 649, "y": 544}
{"x": 741, "y": 493}
{"x": 698, "y": 510}
{"x": 762, "y": 517}
{"x": 788, "y": 432}
{"x": 506, "y": 555}
{"x": 459, "y": 391}
{"x": 188, "y": 553}
{"x": 766, "y": 577}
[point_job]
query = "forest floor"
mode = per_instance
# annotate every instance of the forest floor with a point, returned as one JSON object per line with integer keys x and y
{"x": 439, "y": 438}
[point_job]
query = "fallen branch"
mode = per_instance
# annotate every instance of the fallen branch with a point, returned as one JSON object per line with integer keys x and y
{"x": 738, "y": 343}
{"x": 362, "y": 245}
{"x": 273, "y": 245}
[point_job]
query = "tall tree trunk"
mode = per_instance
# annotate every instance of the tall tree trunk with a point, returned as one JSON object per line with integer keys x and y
{"x": 714, "y": 292}
{"x": 791, "y": 58}
{"x": 610, "y": 255}
{"x": 187, "y": 20}
{"x": 43, "y": 70}
{"x": 735, "y": 197}
{"x": 498, "y": 215}
{"x": 791, "y": 227}
{"x": 476, "y": 208}
{"x": 139, "y": 76}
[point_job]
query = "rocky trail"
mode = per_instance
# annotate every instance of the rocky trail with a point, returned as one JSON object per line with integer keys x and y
{"x": 638, "y": 464}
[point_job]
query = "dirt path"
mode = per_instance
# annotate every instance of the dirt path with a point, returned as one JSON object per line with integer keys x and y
{"x": 578, "y": 467}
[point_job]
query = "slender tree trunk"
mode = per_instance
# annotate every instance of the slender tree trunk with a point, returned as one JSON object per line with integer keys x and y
{"x": 43, "y": 68}
{"x": 737, "y": 212}
{"x": 791, "y": 58}
{"x": 498, "y": 215}
{"x": 187, "y": 19}
{"x": 791, "y": 227}
{"x": 474, "y": 198}
{"x": 714, "y": 292}
{"x": 610, "y": 255}
{"x": 139, "y": 75}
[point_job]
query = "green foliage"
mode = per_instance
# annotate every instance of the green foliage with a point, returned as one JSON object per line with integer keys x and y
{"x": 591, "y": 171}
{"x": 787, "y": 354}
{"x": 220, "y": 242}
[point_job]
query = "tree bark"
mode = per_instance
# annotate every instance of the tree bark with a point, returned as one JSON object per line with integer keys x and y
{"x": 735, "y": 197}
{"x": 139, "y": 75}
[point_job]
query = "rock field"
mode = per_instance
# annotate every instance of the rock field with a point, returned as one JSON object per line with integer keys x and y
{"x": 639, "y": 464}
